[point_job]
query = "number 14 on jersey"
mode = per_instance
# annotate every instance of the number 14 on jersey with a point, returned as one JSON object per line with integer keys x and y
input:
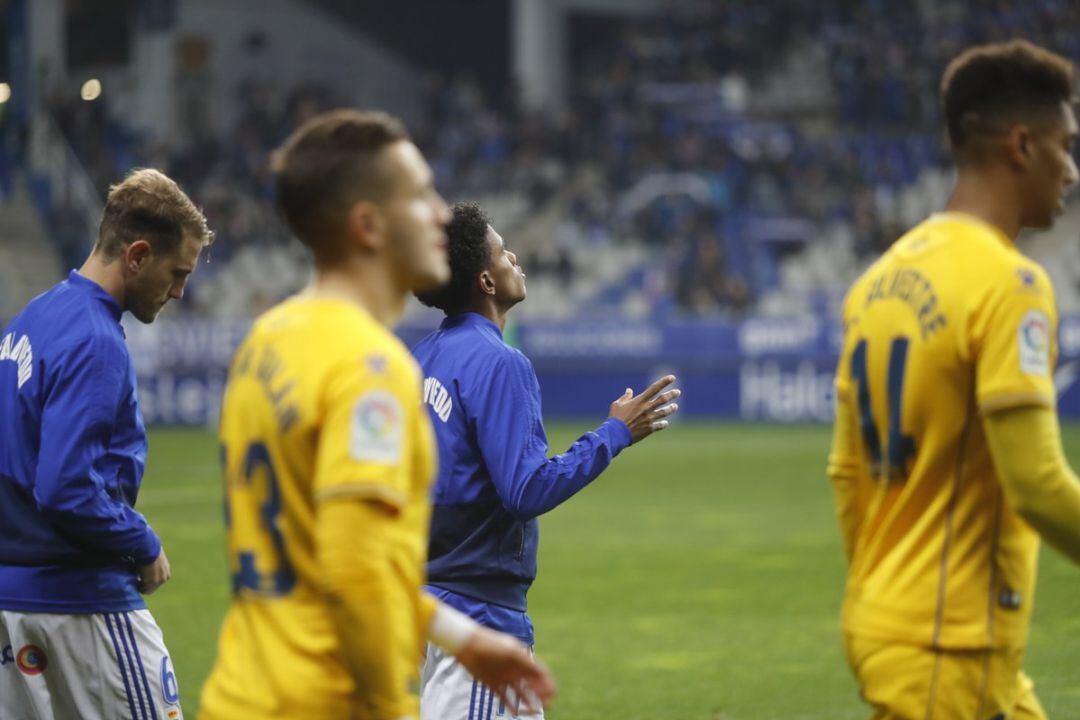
{"x": 899, "y": 448}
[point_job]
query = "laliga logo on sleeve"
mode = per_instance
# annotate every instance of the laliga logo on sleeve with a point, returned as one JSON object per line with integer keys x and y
{"x": 31, "y": 660}
{"x": 377, "y": 419}
{"x": 377, "y": 428}
{"x": 1034, "y": 339}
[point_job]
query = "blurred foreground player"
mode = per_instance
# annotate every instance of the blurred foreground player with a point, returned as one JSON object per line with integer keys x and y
{"x": 76, "y": 639}
{"x": 329, "y": 457}
{"x": 495, "y": 477}
{"x": 946, "y": 458}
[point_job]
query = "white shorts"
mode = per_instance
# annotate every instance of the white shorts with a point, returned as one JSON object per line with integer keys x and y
{"x": 107, "y": 666}
{"x": 449, "y": 692}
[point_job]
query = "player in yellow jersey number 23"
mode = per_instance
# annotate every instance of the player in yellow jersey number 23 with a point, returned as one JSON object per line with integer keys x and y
{"x": 329, "y": 456}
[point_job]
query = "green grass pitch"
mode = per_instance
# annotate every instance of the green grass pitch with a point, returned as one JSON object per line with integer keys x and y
{"x": 698, "y": 579}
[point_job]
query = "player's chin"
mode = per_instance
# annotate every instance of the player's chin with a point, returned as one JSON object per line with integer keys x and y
{"x": 1047, "y": 220}
{"x": 432, "y": 280}
{"x": 147, "y": 315}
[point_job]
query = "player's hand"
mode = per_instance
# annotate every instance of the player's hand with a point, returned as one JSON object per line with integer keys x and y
{"x": 507, "y": 667}
{"x": 154, "y": 575}
{"x": 646, "y": 413}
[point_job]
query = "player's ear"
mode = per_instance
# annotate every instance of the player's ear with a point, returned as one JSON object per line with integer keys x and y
{"x": 1020, "y": 146}
{"x": 486, "y": 282}
{"x": 365, "y": 226}
{"x": 137, "y": 255}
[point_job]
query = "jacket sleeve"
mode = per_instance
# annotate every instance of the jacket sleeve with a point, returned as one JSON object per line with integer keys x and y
{"x": 80, "y": 408}
{"x": 510, "y": 433}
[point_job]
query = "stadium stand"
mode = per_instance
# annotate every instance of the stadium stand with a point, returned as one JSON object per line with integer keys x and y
{"x": 29, "y": 263}
{"x": 752, "y": 167}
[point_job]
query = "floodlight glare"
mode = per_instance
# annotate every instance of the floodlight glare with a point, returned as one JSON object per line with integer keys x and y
{"x": 91, "y": 89}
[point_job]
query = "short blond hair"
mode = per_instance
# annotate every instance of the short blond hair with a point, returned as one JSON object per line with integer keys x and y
{"x": 151, "y": 206}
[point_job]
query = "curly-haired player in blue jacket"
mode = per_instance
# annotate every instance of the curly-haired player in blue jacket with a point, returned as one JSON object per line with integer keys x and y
{"x": 495, "y": 476}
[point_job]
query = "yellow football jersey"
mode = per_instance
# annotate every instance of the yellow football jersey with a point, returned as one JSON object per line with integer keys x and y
{"x": 950, "y": 324}
{"x": 321, "y": 401}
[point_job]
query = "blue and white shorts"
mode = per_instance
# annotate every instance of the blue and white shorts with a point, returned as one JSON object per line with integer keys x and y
{"x": 449, "y": 692}
{"x": 112, "y": 666}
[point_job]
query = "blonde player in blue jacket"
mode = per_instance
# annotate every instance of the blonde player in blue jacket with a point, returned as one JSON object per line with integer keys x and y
{"x": 495, "y": 476}
{"x": 76, "y": 558}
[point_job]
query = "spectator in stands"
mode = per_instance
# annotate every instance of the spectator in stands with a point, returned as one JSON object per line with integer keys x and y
{"x": 705, "y": 282}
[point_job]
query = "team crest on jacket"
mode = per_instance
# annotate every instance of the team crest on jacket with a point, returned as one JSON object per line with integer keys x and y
{"x": 1027, "y": 277}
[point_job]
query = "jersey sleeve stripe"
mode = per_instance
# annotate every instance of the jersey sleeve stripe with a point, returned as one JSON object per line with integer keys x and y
{"x": 1010, "y": 400}
{"x": 364, "y": 491}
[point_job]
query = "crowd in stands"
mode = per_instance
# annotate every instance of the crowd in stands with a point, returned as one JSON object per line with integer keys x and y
{"x": 657, "y": 104}
{"x": 660, "y": 146}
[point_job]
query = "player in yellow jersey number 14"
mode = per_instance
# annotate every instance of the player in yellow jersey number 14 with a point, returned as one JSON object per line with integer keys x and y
{"x": 946, "y": 459}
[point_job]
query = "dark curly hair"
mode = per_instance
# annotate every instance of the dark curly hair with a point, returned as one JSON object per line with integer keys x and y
{"x": 467, "y": 245}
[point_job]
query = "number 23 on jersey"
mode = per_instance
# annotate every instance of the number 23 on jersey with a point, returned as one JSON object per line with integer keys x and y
{"x": 258, "y": 560}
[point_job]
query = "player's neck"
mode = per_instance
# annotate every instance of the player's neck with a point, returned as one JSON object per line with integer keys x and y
{"x": 488, "y": 308}
{"x": 987, "y": 197}
{"x": 108, "y": 275}
{"x": 370, "y": 287}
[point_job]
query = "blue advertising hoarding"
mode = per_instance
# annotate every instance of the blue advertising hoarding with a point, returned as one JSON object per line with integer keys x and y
{"x": 762, "y": 369}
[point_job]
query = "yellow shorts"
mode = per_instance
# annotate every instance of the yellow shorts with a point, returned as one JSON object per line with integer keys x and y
{"x": 908, "y": 682}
